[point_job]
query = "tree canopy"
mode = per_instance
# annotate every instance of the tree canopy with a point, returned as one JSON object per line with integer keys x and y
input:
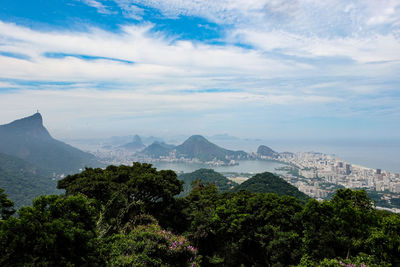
{"x": 130, "y": 215}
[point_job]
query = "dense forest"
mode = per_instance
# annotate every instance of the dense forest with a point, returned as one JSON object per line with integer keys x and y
{"x": 24, "y": 181}
{"x": 269, "y": 183}
{"x": 130, "y": 216}
{"x": 205, "y": 176}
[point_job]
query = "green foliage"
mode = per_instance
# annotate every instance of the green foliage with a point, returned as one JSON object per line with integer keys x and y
{"x": 150, "y": 245}
{"x": 23, "y": 181}
{"x": 269, "y": 183}
{"x": 117, "y": 214}
{"x": 340, "y": 227}
{"x": 125, "y": 191}
{"x": 384, "y": 240}
{"x": 258, "y": 229}
{"x": 361, "y": 260}
{"x": 206, "y": 176}
{"x": 128, "y": 216}
{"x": 199, "y": 210}
{"x": 6, "y": 206}
{"x": 139, "y": 182}
{"x": 55, "y": 231}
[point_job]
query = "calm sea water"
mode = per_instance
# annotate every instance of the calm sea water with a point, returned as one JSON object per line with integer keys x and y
{"x": 245, "y": 166}
{"x": 383, "y": 154}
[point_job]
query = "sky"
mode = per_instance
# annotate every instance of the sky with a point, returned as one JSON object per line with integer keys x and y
{"x": 250, "y": 68}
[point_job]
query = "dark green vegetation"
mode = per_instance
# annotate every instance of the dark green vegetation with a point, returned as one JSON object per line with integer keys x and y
{"x": 29, "y": 140}
{"x": 385, "y": 199}
{"x": 269, "y": 183}
{"x": 6, "y": 206}
{"x": 195, "y": 147}
{"x": 128, "y": 216}
{"x": 267, "y": 151}
{"x": 23, "y": 181}
{"x": 205, "y": 176}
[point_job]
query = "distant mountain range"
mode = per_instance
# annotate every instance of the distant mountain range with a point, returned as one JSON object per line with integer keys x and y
{"x": 195, "y": 147}
{"x": 29, "y": 140}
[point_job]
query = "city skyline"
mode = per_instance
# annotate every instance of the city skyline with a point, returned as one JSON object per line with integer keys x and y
{"x": 258, "y": 69}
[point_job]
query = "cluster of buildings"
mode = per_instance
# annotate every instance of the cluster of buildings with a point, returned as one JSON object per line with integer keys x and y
{"x": 317, "y": 174}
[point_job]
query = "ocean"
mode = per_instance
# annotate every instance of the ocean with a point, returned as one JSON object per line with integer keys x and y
{"x": 383, "y": 154}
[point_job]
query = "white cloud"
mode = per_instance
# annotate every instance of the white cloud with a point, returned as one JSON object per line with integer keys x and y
{"x": 366, "y": 49}
{"x": 157, "y": 59}
{"x": 309, "y": 15}
{"x": 7, "y": 85}
{"x": 98, "y": 5}
{"x": 130, "y": 9}
{"x": 307, "y": 28}
{"x": 298, "y": 64}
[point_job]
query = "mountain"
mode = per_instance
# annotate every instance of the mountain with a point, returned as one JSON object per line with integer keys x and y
{"x": 23, "y": 181}
{"x": 266, "y": 151}
{"x": 269, "y": 183}
{"x": 157, "y": 150}
{"x": 206, "y": 176}
{"x": 199, "y": 147}
{"x": 148, "y": 140}
{"x": 29, "y": 140}
{"x": 135, "y": 145}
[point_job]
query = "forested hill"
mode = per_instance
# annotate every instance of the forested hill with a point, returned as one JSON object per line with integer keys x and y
{"x": 206, "y": 176}
{"x": 157, "y": 149}
{"x": 23, "y": 181}
{"x": 130, "y": 216}
{"x": 199, "y": 147}
{"x": 28, "y": 139}
{"x": 269, "y": 183}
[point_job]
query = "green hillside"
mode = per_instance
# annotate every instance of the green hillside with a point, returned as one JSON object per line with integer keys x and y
{"x": 206, "y": 176}
{"x": 269, "y": 183}
{"x": 199, "y": 147}
{"x": 23, "y": 181}
{"x": 157, "y": 149}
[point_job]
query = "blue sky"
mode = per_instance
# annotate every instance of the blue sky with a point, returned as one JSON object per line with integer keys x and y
{"x": 250, "y": 68}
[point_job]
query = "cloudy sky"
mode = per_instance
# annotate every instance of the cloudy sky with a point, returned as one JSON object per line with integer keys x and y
{"x": 250, "y": 68}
